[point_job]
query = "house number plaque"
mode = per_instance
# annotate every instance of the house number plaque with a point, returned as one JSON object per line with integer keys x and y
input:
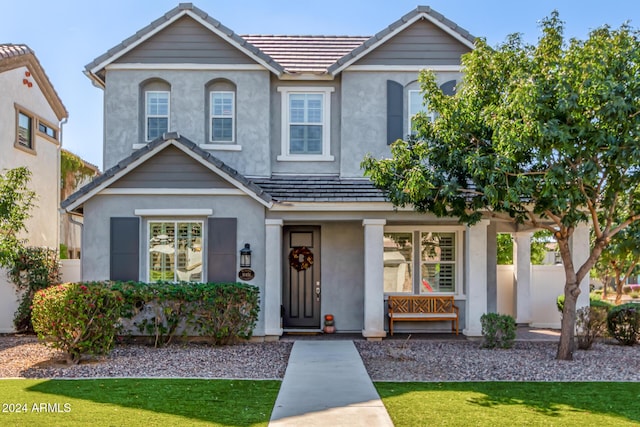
{"x": 246, "y": 274}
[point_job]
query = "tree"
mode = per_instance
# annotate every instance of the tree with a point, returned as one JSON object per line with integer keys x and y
{"x": 546, "y": 135}
{"x": 539, "y": 242}
{"x": 16, "y": 200}
{"x": 620, "y": 260}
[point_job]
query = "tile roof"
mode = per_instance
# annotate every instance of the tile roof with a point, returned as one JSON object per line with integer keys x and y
{"x": 320, "y": 189}
{"x": 11, "y": 50}
{"x": 124, "y": 164}
{"x": 281, "y": 53}
{"x": 14, "y": 56}
{"x": 310, "y": 54}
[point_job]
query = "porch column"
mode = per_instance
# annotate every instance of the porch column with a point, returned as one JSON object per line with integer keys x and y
{"x": 373, "y": 279}
{"x": 273, "y": 277}
{"x": 580, "y": 249}
{"x": 476, "y": 277}
{"x": 522, "y": 276}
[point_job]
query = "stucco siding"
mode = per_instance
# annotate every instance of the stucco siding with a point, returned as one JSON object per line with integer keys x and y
{"x": 171, "y": 168}
{"x": 304, "y": 167}
{"x": 188, "y": 100}
{"x": 364, "y": 114}
{"x": 343, "y": 274}
{"x": 99, "y": 209}
{"x": 422, "y": 43}
{"x": 185, "y": 41}
{"x": 43, "y": 226}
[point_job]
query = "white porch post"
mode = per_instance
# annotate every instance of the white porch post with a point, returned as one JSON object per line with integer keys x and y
{"x": 580, "y": 249}
{"x": 476, "y": 277}
{"x": 373, "y": 279}
{"x": 522, "y": 276}
{"x": 273, "y": 277}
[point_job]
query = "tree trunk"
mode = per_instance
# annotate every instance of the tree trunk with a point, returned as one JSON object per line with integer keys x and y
{"x": 566, "y": 346}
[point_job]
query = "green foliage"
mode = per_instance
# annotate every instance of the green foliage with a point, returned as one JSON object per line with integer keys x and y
{"x": 16, "y": 200}
{"x": 539, "y": 242}
{"x": 498, "y": 330}
{"x": 77, "y": 318}
{"x": 591, "y": 322}
{"x": 33, "y": 269}
{"x": 73, "y": 170}
{"x": 595, "y": 300}
{"x": 64, "y": 251}
{"x": 621, "y": 259}
{"x": 623, "y": 323}
{"x": 222, "y": 312}
{"x": 544, "y": 135}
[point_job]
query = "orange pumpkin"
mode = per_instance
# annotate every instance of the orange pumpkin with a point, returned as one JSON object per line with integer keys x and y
{"x": 328, "y": 317}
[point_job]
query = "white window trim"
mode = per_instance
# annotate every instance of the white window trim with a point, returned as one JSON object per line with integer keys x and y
{"x": 147, "y": 246}
{"x": 459, "y": 256}
{"x": 213, "y": 116}
{"x": 285, "y": 154}
{"x": 221, "y": 147}
{"x": 428, "y": 112}
{"x": 146, "y": 113}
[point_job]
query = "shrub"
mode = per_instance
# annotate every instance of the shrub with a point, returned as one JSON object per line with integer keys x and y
{"x": 32, "y": 270}
{"x": 79, "y": 319}
{"x": 623, "y": 323}
{"x": 591, "y": 322}
{"x": 222, "y": 312}
{"x": 595, "y": 300}
{"x": 498, "y": 330}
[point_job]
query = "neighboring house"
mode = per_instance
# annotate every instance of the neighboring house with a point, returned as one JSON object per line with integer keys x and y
{"x": 214, "y": 141}
{"x": 31, "y": 116}
{"x": 74, "y": 173}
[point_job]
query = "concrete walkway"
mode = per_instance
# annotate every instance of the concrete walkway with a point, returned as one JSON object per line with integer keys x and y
{"x": 326, "y": 384}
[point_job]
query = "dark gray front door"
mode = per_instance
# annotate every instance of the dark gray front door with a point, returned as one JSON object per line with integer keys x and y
{"x": 301, "y": 279}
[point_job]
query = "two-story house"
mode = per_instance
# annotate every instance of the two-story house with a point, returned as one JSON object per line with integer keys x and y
{"x": 218, "y": 143}
{"x": 31, "y": 117}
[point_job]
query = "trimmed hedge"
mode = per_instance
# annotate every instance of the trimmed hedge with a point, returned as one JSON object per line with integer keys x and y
{"x": 595, "y": 300}
{"x": 221, "y": 312}
{"x": 77, "y": 318}
{"x": 498, "y": 330}
{"x": 623, "y": 323}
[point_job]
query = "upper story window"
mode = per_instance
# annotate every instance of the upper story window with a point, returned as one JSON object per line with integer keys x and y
{"x": 415, "y": 106}
{"x": 306, "y": 123}
{"x": 222, "y": 110}
{"x": 156, "y": 114}
{"x": 25, "y": 130}
{"x": 47, "y": 130}
{"x": 26, "y": 123}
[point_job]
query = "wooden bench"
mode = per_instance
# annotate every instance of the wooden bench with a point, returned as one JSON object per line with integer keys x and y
{"x": 418, "y": 308}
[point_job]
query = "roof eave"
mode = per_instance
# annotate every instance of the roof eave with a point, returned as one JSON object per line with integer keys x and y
{"x": 421, "y": 12}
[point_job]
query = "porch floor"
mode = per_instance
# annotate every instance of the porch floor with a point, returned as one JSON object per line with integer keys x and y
{"x": 523, "y": 333}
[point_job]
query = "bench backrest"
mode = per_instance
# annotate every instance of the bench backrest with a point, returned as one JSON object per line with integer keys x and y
{"x": 421, "y": 304}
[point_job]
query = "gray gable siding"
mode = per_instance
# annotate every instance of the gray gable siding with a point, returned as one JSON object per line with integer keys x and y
{"x": 171, "y": 168}
{"x": 422, "y": 43}
{"x": 185, "y": 41}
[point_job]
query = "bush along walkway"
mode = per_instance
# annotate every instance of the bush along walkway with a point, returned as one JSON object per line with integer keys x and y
{"x": 326, "y": 384}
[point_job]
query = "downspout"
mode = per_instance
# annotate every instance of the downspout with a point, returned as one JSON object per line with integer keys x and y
{"x": 59, "y": 168}
{"x": 81, "y": 225}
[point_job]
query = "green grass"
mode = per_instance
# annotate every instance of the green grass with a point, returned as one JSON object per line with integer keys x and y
{"x": 512, "y": 404}
{"x": 148, "y": 402}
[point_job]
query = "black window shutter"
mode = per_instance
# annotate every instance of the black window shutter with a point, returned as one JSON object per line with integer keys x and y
{"x": 449, "y": 88}
{"x": 125, "y": 249}
{"x": 221, "y": 253}
{"x": 395, "y": 97}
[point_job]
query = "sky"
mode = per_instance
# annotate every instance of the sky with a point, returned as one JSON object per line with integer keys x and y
{"x": 68, "y": 34}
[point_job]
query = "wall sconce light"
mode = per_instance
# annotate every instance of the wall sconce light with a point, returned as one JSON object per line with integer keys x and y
{"x": 245, "y": 256}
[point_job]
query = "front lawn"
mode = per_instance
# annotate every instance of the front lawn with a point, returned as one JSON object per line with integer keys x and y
{"x": 148, "y": 402}
{"x": 511, "y": 403}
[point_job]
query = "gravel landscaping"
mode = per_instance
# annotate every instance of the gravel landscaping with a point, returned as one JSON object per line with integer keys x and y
{"x": 390, "y": 360}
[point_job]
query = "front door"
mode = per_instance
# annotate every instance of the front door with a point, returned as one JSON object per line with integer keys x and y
{"x": 301, "y": 278}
